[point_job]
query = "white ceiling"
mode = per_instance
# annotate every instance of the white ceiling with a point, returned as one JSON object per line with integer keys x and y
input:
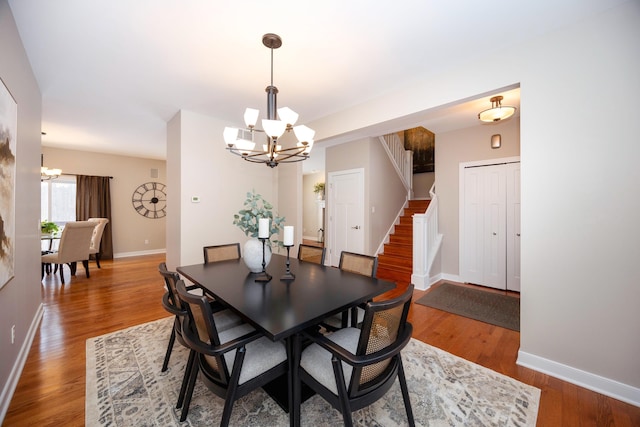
{"x": 113, "y": 72}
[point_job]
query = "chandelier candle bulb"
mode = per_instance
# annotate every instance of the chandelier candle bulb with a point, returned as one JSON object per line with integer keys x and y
{"x": 288, "y": 235}
{"x": 263, "y": 228}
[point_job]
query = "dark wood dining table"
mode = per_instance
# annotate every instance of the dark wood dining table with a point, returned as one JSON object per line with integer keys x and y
{"x": 282, "y": 309}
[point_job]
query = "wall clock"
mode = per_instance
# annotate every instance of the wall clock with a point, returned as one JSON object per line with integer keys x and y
{"x": 150, "y": 200}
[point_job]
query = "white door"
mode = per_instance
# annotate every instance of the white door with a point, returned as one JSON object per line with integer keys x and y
{"x": 495, "y": 241}
{"x": 490, "y": 225}
{"x": 513, "y": 226}
{"x": 345, "y": 201}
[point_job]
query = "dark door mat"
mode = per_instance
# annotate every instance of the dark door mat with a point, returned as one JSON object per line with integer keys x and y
{"x": 489, "y": 307}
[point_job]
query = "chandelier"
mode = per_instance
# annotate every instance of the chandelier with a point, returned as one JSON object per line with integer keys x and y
{"x": 241, "y": 142}
{"x": 47, "y": 174}
{"x": 497, "y": 112}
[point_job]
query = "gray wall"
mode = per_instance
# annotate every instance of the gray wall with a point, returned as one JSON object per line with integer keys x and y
{"x": 20, "y": 300}
{"x": 579, "y": 186}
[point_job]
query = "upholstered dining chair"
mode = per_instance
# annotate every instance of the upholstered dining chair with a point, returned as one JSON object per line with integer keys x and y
{"x": 74, "y": 245}
{"x": 352, "y": 368}
{"x": 96, "y": 238}
{"x": 365, "y": 265}
{"x": 310, "y": 253}
{"x": 221, "y": 252}
{"x": 232, "y": 363}
{"x": 225, "y": 319}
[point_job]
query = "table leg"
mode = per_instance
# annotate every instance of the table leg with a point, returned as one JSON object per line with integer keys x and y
{"x": 293, "y": 353}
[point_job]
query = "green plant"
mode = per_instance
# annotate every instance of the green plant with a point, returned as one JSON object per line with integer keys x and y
{"x": 255, "y": 207}
{"x": 48, "y": 227}
{"x": 318, "y": 187}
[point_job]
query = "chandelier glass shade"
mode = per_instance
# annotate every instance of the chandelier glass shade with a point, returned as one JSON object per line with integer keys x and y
{"x": 47, "y": 174}
{"x": 241, "y": 141}
{"x": 497, "y": 111}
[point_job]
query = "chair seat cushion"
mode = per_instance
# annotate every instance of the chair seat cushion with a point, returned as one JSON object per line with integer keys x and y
{"x": 317, "y": 361}
{"x": 226, "y": 319}
{"x": 336, "y": 319}
{"x": 261, "y": 354}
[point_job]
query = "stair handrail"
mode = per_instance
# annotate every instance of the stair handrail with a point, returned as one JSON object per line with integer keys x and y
{"x": 426, "y": 242}
{"x": 401, "y": 159}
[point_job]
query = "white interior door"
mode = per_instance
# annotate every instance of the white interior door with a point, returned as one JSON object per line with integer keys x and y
{"x": 346, "y": 213}
{"x": 513, "y": 226}
{"x": 490, "y": 224}
{"x": 494, "y": 231}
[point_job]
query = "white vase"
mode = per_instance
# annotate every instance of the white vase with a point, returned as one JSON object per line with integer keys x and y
{"x": 252, "y": 255}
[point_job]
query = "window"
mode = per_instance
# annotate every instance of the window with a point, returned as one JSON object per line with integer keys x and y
{"x": 58, "y": 200}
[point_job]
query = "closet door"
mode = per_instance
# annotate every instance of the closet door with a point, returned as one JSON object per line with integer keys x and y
{"x": 494, "y": 231}
{"x": 490, "y": 229}
{"x": 513, "y": 226}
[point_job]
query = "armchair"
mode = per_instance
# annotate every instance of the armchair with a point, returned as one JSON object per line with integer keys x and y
{"x": 352, "y": 368}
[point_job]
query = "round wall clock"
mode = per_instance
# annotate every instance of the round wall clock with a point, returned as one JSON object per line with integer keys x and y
{"x": 150, "y": 200}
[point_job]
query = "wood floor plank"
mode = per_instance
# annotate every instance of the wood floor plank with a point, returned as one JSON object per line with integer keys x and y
{"x": 51, "y": 390}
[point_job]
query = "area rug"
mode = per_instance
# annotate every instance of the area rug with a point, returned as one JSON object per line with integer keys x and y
{"x": 126, "y": 388}
{"x": 489, "y": 307}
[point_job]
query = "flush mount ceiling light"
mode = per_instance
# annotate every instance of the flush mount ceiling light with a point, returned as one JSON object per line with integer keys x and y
{"x": 241, "y": 141}
{"x": 497, "y": 111}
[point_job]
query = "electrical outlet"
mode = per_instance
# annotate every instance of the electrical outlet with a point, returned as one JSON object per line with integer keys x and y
{"x": 146, "y": 241}
{"x": 13, "y": 334}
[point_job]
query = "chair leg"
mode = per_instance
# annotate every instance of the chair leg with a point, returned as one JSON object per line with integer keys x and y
{"x": 233, "y": 386}
{"x": 98, "y": 259}
{"x": 345, "y": 408}
{"x": 167, "y": 355}
{"x": 85, "y": 263}
{"x": 185, "y": 378}
{"x": 192, "y": 382}
{"x": 61, "y": 272}
{"x": 405, "y": 392}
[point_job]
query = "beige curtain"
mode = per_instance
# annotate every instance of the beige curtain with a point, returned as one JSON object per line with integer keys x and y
{"x": 93, "y": 200}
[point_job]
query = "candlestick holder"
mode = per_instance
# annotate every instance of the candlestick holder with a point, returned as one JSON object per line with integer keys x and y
{"x": 288, "y": 276}
{"x": 263, "y": 277}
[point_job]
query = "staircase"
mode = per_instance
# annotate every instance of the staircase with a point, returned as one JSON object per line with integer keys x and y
{"x": 396, "y": 262}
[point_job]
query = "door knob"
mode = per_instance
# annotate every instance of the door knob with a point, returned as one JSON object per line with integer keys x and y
{"x": 518, "y": 234}
{"x": 494, "y": 233}
{"x": 357, "y": 227}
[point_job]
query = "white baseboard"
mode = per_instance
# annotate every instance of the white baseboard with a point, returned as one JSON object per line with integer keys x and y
{"x": 16, "y": 371}
{"x": 139, "y": 253}
{"x": 602, "y": 385}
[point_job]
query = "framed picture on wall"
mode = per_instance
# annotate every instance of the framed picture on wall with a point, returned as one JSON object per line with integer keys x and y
{"x": 8, "y": 129}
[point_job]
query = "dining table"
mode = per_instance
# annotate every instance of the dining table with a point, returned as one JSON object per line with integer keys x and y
{"x": 282, "y": 308}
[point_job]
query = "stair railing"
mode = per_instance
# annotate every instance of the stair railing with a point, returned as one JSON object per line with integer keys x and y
{"x": 426, "y": 242}
{"x": 401, "y": 159}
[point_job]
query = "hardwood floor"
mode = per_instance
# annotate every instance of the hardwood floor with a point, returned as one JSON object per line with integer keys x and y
{"x": 127, "y": 292}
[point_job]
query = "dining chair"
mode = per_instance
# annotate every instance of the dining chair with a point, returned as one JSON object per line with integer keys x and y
{"x": 310, "y": 253}
{"x": 365, "y": 265}
{"x": 74, "y": 245}
{"x": 352, "y": 368}
{"x": 96, "y": 238}
{"x": 225, "y": 319}
{"x": 221, "y": 252}
{"x": 232, "y": 363}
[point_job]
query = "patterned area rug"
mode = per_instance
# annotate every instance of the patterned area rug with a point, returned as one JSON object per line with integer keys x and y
{"x": 126, "y": 388}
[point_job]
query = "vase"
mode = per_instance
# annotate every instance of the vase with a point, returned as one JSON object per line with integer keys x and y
{"x": 252, "y": 255}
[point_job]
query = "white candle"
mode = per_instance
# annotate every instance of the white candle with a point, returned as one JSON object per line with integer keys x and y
{"x": 263, "y": 228}
{"x": 288, "y": 235}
